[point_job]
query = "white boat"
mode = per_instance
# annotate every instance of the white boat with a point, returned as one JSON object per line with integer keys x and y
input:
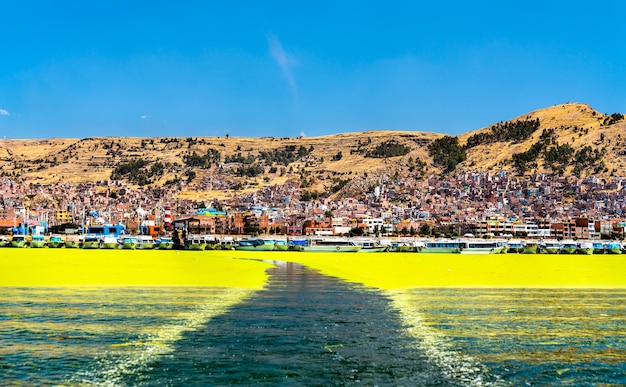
{"x": 339, "y": 245}
{"x": 369, "y": 245}
{"x": 145, "y": 242}
{"x": 18, "y": 240}
{"x": 109, "y": 242}
{"x": 447, "y": 246}
{"x": 530, "y": 247}
{"x": 195, "y": 242}
{"x": 4, "y": 241}
{"x": 550, "y": 246}
{"x": 515, "y": 246}
{"x": 483, "y": 246}
{"x": 584, "y": 247}
{"x": 568, "y": 246}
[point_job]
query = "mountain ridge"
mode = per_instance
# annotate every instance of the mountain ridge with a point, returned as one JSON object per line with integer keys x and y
{"x": 565, "y": 139}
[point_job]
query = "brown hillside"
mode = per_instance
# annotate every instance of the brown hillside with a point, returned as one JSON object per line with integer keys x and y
{"x": 343, "y": 164}
{"x": 328, "y": 160}
{"x": 575, "y": 124}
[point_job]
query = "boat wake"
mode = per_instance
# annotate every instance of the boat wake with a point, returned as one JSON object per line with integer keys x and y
{"x": 113, "y": 368}
{"x": 455, "y": 365}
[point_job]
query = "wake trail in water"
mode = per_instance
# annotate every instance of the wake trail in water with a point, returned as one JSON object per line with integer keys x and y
{"x": 113, "y": 370}
{"x": 308, "y": 329}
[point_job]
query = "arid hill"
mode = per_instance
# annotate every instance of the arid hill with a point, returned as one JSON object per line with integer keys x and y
{"x": 563, "y": 139}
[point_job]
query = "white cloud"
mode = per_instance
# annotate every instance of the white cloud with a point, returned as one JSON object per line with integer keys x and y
{"x": 145, "y": 117}
{"x": 284, "y": 60}
{"x": 4, "y": 112}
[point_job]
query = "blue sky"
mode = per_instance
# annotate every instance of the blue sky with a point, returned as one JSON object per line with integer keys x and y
{"x": 287, "y": 68}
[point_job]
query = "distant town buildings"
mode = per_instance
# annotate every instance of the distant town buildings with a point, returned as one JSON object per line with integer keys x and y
{"x": 479, "y": 203}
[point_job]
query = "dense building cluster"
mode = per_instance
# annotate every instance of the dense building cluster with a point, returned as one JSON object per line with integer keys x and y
{"x": 479, "y": 203}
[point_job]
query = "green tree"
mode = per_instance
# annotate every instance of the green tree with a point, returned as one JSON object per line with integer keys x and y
{"x": 446, "y": 152}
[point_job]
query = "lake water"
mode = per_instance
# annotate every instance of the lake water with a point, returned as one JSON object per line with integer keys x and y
{"x": 304, "y": 328}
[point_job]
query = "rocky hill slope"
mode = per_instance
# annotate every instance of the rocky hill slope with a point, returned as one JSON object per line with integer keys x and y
{"x": 567, "y": 139}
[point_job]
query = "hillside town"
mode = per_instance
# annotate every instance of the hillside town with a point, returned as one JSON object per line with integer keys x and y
{"x": 479, "y": 203}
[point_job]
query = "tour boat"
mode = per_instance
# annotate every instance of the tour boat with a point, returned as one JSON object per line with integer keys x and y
{"x": 129, "y": 242}
{"x": 145, "y": 242}
{"x": 598, "y": 247}
{"x": 281, "y": 244}
{"x": 483, "y": 246}
{"x": 55, "y": 242}
{"x": 226, "y": 243}
{"x": 530, "y": 247}
{"x": 164, "y": 243}
{"x": 4, "y": 241}
{"x": 109, "y": 242}
{"x": 72, "y": 242}
{"x": 255, "y": 244}
{"x": 91, "y": 241}
{"x": 568, "y": 246}
{"x": 296, "y": 244}
{"x": 195, "y": 242}
{"x": 448, "y": 246}
{"x": 38, "y": 241}
{"x": 613, "y": 247}
{"x": 515, "y": 246}
{"x": 585, "y": 247}
{"x": 18, "y": 240}
{"x": 339, "y": 245}
{"x": 551, "y": 246}
{"x": 370, "y": 246}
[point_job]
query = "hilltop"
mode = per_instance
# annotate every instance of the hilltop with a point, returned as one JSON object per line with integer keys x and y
{"x": 567, "y": 139}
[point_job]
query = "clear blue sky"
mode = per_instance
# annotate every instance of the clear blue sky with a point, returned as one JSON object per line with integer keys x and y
{"x": 284, "y": 69}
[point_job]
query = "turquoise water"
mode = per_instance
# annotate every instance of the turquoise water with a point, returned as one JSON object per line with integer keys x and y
{"x": 309, "y": 329}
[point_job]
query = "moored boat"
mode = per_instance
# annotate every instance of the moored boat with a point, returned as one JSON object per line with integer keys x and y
{"x": 38, "y": 241}
{"x": 585, "y": 247}
{"x": 448, "y": 246}
{"x": 109, "y": 242}
{"x": 530, "y": 247}
{"x": 255, "y": 244}
{"x": 568, "y": 246}
{"x": 164, "y": 243}
{"x": 145, "y": 242}
{"x": 515, "y": 246}
{"x": 129, "y": 242}
{"x": 55, "y": 242}
{"x": 4, "y": 241}
{"x": 18, "y": 240}
{"x": 613, "y": 247}
{"x": 598, "y": 247}
{"x": 550, "y": 246}
{"x": 482, "y": 246}
{"x": 91, "y": 241}
{"x": 370, "y": 246}
{"x": 194, "y": 242}
{"x": 281, "y": 244}
{"x": 296, "y": 244}
{"x": 339, "y": 245}
{"x": 72, "y": 241}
